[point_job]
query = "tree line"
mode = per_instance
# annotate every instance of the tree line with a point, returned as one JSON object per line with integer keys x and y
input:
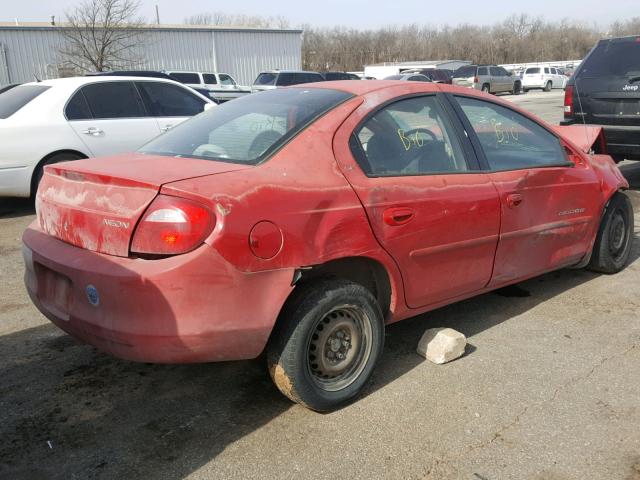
{"x": 518, "y": 39}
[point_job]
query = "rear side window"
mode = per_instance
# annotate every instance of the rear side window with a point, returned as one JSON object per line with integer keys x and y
{"x": 408, "y": 137}
{"x": 249, "y": 129}
{"x": 418, "y": 78}
{"x": 166, "y": 100}
{"x": 78, "y": 108}
{"x": 15, "y": 98}
{"x": 266, "y": 79}
{"x": 546, "y": 70}
{"x": 336, "y": 76}
{"x": 619, "y": 57}
{"x": 209, "y": 79}
{"x": 186, "y": 77}
{"x": 113, "y": 100}
{"x": 509, "y": 140}
{"x": 226, "y": 80}
{"x": 532, "y": 71}
{"x": 466, "y": 72}
{"x": 495, "y": 71}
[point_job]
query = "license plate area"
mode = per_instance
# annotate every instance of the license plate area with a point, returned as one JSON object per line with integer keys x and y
{"x": 54, "y": 291}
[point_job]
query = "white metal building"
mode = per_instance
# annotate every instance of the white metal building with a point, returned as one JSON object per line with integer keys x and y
{"x": 28, "y": 50}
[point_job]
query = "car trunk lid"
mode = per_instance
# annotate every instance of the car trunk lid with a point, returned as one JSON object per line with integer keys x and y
{"x": 95, "y": 204}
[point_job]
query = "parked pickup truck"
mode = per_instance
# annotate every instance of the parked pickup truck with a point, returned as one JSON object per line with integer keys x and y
{"x": 222, "y": 86}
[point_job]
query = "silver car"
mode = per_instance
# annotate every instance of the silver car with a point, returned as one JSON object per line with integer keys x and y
{"x": 409, "y": 77}
{"x": 488, "y": 78}
{"x": 284, "y": 78}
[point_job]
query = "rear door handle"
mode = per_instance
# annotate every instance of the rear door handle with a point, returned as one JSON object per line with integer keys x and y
{"x": 397, "y": 216}
{"x": 514, "y": 200}
{"x": 93, "y": 131}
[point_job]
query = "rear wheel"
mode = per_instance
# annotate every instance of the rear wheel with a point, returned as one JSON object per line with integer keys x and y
{"x": 55, "y": 158}
{"x": 516, "y": 88}
{"x": 613, "y": 243}
{"x": 326, "y": 344}
{"x": 547, "y": 87}
{"x": 485, "y": 88}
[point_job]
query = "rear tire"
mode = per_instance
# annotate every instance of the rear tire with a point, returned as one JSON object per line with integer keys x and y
{"x": 547, "y": 87}
{"x": 516, "y": 88}
{"x": 39, "y": 171}
{"x": 326, "y": 343}
{"x": 486, "y": 88}
{"x": 615, "y": 236}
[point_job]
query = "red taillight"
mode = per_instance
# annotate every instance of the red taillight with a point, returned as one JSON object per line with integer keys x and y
{"x": 568, "y": 101}
{"x": 476, "y": 80}
{"x": 172, "y": 225}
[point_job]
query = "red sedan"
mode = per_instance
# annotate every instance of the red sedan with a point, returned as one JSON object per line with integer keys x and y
{"x": 303, "y": 220}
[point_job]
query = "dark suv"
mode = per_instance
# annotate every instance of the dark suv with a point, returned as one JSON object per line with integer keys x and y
{"x": 605, "y": 90}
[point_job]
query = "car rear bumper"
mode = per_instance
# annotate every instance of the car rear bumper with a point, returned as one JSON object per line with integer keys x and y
{"x": 622, "y": 141}
{"x": 531, "y": 83}
{"x": 189, "y": 308}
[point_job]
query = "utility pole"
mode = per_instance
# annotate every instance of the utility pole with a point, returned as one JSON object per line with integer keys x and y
{"x": 157, "y": 15}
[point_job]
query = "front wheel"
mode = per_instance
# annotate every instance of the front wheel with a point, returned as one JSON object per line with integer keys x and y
{"x": 613, "y": 244}
{"x": 326, "y": 343}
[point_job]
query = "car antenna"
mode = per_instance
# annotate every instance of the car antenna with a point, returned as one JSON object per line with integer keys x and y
{"x": 36, "y": 77}
{"x": 584, "y": 122}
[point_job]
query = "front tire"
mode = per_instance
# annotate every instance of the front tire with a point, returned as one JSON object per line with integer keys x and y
{"x": 326, "y": 343}
{"x": 613, "y": 244}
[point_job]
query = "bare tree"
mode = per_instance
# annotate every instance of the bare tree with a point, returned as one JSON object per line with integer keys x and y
{"x": 102, "y": 34}
{"x": 237, "y": 20}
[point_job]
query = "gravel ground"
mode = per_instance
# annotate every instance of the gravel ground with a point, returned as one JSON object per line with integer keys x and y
{"x": 549, "y": 389}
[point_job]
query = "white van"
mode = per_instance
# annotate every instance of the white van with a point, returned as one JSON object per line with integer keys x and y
{"x": 222, "y": 86}
{"x": 544, "y": 78}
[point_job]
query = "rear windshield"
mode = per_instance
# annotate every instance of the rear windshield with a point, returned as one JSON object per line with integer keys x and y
{"x": 532, "y": 70}
{"x": 465, "y": 72}
{"x": 618, "y": 57}
{"x": 288, "y": 78}
{"x": 249, "y": 129}
{"x": 15, "y": 98}
{"x": 185, "y": 77}
{"x": 266, "y": 79}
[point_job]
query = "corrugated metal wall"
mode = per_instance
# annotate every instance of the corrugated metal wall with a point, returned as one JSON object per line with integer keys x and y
{"x": 245, "y": 54}
{"x": 31, "y": 53}
{"x": 242, "y": 53}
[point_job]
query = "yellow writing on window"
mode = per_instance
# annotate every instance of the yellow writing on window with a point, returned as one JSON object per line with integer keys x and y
{"x": 409, "y": 141}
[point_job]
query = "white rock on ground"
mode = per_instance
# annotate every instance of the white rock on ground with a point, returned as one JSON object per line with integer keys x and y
{"x": 441, "y": 345}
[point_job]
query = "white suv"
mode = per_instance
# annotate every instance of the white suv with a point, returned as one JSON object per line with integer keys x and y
{"x": 71, "y": 118}
{"x": 544, "y": 78}
{"x": 221, "y": 86}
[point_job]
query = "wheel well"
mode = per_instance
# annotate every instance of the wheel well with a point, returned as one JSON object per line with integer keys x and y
{"x": 50, "y": 156}
{"x": 365, "y": 271}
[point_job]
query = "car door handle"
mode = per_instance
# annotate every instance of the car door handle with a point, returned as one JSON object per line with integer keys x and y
{"x": 166, "y": 128}
{"x": 397, "y": 216}
{"x": 514, "y": 200}
{"x": 93, "y": 131}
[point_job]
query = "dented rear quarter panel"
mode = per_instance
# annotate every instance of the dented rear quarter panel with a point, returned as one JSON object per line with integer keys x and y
{"x": 302, "y": 191}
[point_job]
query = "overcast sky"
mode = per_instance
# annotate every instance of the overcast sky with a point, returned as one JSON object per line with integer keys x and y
{"x": 355, "y": 13}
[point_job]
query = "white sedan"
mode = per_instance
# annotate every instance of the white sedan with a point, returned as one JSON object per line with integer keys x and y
{"x": 72, "y": 118}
